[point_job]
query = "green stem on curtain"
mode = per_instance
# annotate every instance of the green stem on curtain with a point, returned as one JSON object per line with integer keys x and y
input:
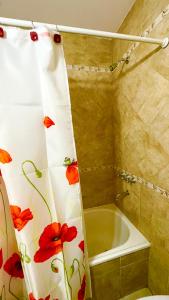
{"x": 6, "y": 226}
{"x": 57, "y": 259}
{"x": 83, "y": 266}
{"x": 76, "y": 260}
{"x": 24, "y": 256}
{"x": 83, "y": 263}
{"x": 20, "y": 249}
{"x": 66, "y": 276}
{"x": 38, "y": 173}
{"x": 10, "y": 280}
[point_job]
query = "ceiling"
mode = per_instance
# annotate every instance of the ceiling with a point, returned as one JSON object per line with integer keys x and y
{"x": 93, "y": 14}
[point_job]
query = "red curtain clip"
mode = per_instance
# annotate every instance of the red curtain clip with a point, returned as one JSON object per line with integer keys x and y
{"x": 57, "y": 38}
{"x": 1, "y": 32}
{"x": 34, "y": 36}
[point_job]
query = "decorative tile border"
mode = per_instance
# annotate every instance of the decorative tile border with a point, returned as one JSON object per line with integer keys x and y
{"x": 125, "y": 175}
{"x": 128, "y": 177}
{"x": 126, "y": 55}
{"x": 96, "y": 168}
{"x": 90, "y": 69}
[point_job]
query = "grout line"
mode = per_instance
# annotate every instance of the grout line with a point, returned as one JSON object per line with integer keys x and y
{"x": 134, "y": 262}
{"x": 120, "y": 279}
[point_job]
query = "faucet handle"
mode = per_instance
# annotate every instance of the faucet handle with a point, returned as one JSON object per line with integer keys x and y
{"x": 120, "y": 196}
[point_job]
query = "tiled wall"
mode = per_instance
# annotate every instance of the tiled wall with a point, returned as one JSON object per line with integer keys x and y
{"x": 91, "y": 94}
{"x": 140, "y": 100}
{"x": 122, "y": 119}
{"x": 120, "y": 277}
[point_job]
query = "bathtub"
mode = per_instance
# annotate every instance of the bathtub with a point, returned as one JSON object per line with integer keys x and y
{"x": 110, "y": 234}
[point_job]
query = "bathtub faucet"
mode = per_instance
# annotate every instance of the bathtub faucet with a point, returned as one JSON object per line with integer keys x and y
{"x": 121, "y": 196}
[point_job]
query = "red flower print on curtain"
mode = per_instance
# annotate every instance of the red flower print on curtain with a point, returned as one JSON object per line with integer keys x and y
{"x": 20, "y": 218}
{"x": 31, "y": 297}
{"x": 1, "y": 258}
{"x": 81, "y": 246}
{"x": 13, "y": 266}
{"x": 72, "y": 173}
{"x": 48, "y": 122}
{"x": 52, "y": 239}
{"x": 5, "y": 157}
{"x": 81, "y": 293}
{"x": 41, "y": 180}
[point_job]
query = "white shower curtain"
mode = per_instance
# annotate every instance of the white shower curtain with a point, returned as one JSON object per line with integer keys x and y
{"x": 40, "y": 172}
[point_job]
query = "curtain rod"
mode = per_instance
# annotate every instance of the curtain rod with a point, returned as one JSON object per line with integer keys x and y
{"x": 29, "y": 24}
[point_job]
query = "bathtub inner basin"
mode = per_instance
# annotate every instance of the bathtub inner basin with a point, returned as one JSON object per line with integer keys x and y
{"x": 105, "y": 230}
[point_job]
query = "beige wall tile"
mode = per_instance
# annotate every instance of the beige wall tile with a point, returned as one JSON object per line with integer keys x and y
{"x": 140, "y": 255}
{"x": 130, "y": 205}
{"x": 110, "y": 266}
{"x": 120, "y": 277}
{"x": 141, "y": 133}
{"x": 134, "y": 277}
{"x": 140, "y": 16}
{"x": 158, "y": 271}
{"x": 154, "y": 217}
{"x": 147, "y": 202}
{"x": 106, "y": 280}
{"x": 87, "y": 50}
{"x": 90, "y": 98}
{"x": 97, "y": 187}
{"x": 122, "y": 119}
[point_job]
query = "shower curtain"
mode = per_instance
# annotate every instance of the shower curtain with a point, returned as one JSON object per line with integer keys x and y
{"x": 42, "y": 253}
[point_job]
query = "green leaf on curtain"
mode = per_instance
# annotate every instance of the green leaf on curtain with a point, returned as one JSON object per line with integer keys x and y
{"x": 71, "y": 270}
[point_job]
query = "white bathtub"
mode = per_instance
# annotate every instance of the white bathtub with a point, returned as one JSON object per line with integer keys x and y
{"x": 110, "y": 234}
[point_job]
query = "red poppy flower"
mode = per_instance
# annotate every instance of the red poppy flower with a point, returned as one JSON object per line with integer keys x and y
{"x": 31, "y": 297}
{"x": 81, "y": 293}
{"x": 20, "y": 218}
{"x": 52, "y": 239}
{"x": 5, "y": 157}
{"x": 48, "y": 122}
{"x": 13, "y": 266}
{"x": 81, "y": 246}
{"x": 72, "y": 173}
{"x": 1, "y": 258}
